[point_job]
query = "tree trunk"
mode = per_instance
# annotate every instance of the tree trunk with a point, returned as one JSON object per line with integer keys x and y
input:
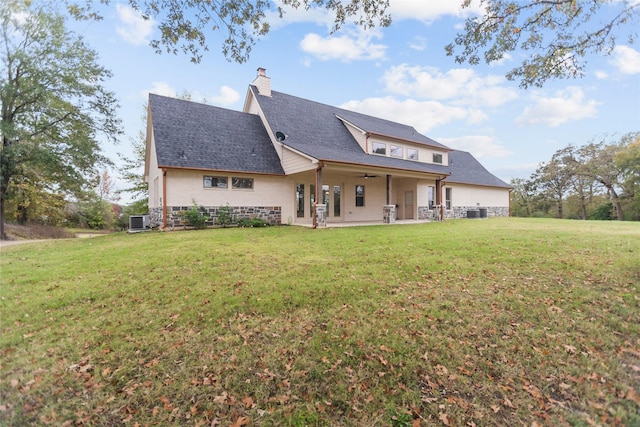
{"x": 3, "y": 235}
{"x": 616, "y": 201}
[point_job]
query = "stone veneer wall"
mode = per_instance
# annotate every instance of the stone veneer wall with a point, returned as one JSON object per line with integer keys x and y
{"x": 459, "y": 212}
{"x": 272, "y": 215}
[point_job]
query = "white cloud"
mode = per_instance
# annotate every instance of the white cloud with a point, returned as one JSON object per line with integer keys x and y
{"x": 429, "y": 11}
{"x": 314, "y": 15}
{"x": 227, "y": 96}
{"x": 461, "y": 86}
{"x": 481, "y": 146}
{"x": 626, "y": 59}
{"x": 505, "y": 58}
{"x": 132, "y": 27}
{"x": 353, "y": 46}
{"x": 160, "y": 88}
{"x": 601, "y": 75}
{"x": 418, "y": 43}
{"x": 423, "y": 115}
{"x": 565, "y": 106}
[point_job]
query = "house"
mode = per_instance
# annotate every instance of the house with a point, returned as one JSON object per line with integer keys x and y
{"x": 290, "y": 160}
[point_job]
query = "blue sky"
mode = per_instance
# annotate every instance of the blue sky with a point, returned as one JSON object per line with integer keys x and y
{"x": 399, "y": 73}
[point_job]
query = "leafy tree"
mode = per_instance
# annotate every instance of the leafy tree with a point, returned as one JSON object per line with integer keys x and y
{"x": 558, "y": 33}
{"x": 53, "y": 103}
{"x": 627, "y": 160}
{"x": 553, "y": 178}
{"x": 603, "y": 169}
{"x": 522, "y": 197}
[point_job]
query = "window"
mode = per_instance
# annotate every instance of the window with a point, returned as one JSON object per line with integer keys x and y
{"x": 379, "y": 148}
{"x": 359, "y": 195}
{"x": 215, "y": 182}
{"x": 336, "y": 200}
{"x": 325, "y": 197}
{"x": 312, "y": 199}
{"x": 396, "y": 151}
{"x": 437, "y": 158}
{"x": 431, "y": 191}
{"x": 300, "y": 200}
{"x": 242, "y": 183}
{"x": 412, "y": 154}
{"x": 447, "y": 197}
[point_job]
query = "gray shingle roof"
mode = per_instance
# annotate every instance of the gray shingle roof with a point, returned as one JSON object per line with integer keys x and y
{"x": 314, "y": 129}
{"x": 388, "y": 128}
{"x": 199, "y": 136}
{"x": 465, "y": 169}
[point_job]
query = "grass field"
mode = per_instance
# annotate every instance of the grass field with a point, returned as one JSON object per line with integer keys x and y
{"x": 461, "y": 323}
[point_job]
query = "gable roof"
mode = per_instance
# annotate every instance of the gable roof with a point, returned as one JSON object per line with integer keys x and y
{"x": 388, "y": 128}
{"x": 316, "y": 130}
{"x": 465, "y": 169}
{"x": 199, "y": 136}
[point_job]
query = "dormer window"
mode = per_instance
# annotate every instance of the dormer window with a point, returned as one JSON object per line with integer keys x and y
{"x": 379, "y": 148}
{"x": 437, "y": 158}
{"x": 396, "y": 151}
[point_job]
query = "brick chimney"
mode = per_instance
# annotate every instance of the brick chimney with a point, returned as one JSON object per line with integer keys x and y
{"x": 262, "y": 82}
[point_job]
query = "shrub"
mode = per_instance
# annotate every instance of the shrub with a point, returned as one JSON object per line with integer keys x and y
{"x": 603, "y": 212}
{"x": 224, "y": 216}
{"x": 253, "y": 222}
{"x": 195, "y": 217}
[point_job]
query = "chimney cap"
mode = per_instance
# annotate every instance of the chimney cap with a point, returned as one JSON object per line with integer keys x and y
{"x": 262, "y": 71}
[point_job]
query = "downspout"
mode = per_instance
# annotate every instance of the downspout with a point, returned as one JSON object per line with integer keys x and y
{"x": 317, "y": 192}
{"x": 164, "y": 198}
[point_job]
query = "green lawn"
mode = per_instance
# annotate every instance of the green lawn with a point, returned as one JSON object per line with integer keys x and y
{"x": 467, "y": 322}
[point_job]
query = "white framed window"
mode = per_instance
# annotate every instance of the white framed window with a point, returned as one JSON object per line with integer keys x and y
{"x": 396, "y": 151}
{"x": 242, "y": 183}
{"x": 447, "y": 197}
{"x": 437, "y": 158}
{"x": 215, "y": 181}
{"x": 379, "y": 148}
{"x": 412, "y": 154}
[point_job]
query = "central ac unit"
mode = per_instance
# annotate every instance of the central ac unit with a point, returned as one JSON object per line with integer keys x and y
{"x": 139, "y": 223}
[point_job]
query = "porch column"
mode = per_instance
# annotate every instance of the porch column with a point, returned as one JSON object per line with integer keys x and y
{"x": 389, "y": 214}
{"x": 319, "y": 215}
{"x": 439, "y": 199}
{"x": 388, "y": 188}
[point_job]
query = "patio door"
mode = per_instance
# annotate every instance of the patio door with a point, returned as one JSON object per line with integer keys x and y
{"x": 331, "y": 196}
{"x": 408, "y": 205}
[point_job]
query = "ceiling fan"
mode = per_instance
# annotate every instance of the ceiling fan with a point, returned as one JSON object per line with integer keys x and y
{"x": 367, "y": 176}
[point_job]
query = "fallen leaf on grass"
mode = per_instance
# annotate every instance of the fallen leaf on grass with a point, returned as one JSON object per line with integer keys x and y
{"x": 241, "y": 421}
{"x": 445, "y": 419}
{"x": 248, "y": 401}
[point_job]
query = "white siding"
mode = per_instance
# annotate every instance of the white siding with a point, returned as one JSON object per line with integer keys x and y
{"x": 185, "y": 186}
{"x": 425, "y": 154}
{"x": 294, "y": 163}
{"x": 357, "y": 134}
{"x": 470, "y": 195}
